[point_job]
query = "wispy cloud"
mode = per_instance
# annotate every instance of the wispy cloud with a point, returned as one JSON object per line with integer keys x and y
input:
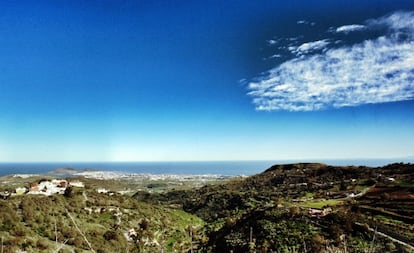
{"x": 272, "y": 42}
{"x": 275, "y": 56}
{"x": 309, "y": 47}
{"x": 397, "y": 22}
{"x": 305, "y": 22}
{"x": 376, "y": 70}
{"x": 350, "y": 28}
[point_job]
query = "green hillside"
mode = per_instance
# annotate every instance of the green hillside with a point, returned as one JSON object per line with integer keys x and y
{"x": 306, "y": 207}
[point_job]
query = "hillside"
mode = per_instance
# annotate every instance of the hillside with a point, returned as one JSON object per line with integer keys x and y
{"x": 90, "y": 219}
{"x": 303, "y": 207}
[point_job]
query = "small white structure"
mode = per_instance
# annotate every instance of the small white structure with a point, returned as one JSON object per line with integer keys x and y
{"x": 316, "y": 212}
{"x": 88, "y": 209}
{"x": 60, "y": 183}
{"x": 131, "y": 234}
{"x": 21, "y": 190}
{"x": 102, "y": 190}
{"x": 77, "y": 183}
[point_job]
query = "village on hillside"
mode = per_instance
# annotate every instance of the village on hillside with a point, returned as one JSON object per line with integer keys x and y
{"x": 44, "y": 187}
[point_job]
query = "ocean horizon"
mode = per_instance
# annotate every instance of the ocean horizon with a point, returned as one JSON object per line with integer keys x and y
{"x": 228, "y": 168}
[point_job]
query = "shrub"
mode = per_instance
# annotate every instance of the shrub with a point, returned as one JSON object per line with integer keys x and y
{"x": 318, "y": 243}
{"x": 42, "y": 244}
{"x": 18, "y": 230}
{"x": 64, "y": 251}
{"x": 110, "y": 235}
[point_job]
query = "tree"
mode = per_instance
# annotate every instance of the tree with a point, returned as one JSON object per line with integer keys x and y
{"x": 110, "y": 235}
{"x": 68, "y": 192}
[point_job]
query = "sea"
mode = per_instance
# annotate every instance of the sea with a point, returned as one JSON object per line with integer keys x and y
{"x": 225, "y": 168}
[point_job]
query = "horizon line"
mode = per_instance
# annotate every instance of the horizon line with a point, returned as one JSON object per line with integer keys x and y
{"x": 304, "y": 160}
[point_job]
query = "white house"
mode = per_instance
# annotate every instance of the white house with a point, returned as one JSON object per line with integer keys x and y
{"x": 49, "y": 187}
{"x": 21, "y": 190}
{"x": 77, "y": 183}
{"x": 102, "y": 190}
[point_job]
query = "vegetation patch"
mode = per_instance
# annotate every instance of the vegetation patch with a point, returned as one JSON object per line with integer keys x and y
{"x": 321, "y": 203}
{"x": 288, "y": 208}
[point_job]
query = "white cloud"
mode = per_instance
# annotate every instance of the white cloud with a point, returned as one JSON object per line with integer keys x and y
{"x": 305, "y": 22}
{"x": 309, "y": 47}
{"x": 272, "y": 42}
{"x": 275, "y": 56}
{"x": 396, "y": 22}
{"x": 350, "y": 28}
{"x": 294, "y": 38}
{"x": 374, "y": 71}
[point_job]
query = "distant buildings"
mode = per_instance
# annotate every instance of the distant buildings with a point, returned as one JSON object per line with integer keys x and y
{"x": 48, "y": 188}
{"x": 45, "y": 187}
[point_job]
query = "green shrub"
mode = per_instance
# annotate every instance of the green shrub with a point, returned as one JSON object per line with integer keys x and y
{"x": 110, "y": 235}
{"x": 42, "y": 244}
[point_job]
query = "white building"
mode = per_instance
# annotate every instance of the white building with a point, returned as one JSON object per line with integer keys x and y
{"x": 102, "y": 190}
{"x": 49, "y": 187}
{"x": 77, "y": 183}
{"x": 21, "y": 190}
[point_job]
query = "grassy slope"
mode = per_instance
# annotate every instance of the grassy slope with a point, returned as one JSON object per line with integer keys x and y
{"x": 28, "y": 223}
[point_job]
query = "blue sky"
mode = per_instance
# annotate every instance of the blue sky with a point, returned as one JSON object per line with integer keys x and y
{"x": 206, "y": 80}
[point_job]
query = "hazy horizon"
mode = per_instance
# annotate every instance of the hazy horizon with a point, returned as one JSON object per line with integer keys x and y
{"x": 407, "y": 159}
{"x": 225, "y": 168}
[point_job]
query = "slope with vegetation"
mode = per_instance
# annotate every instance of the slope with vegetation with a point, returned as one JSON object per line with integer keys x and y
{"x": 83, "y": 220}
{"x": 304, "y": 207}
{"x": 274, "y": 211}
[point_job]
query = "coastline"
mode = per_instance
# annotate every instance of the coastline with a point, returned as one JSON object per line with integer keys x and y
{"x": 226, "y": 168}
{"x": 106, "y": 175}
